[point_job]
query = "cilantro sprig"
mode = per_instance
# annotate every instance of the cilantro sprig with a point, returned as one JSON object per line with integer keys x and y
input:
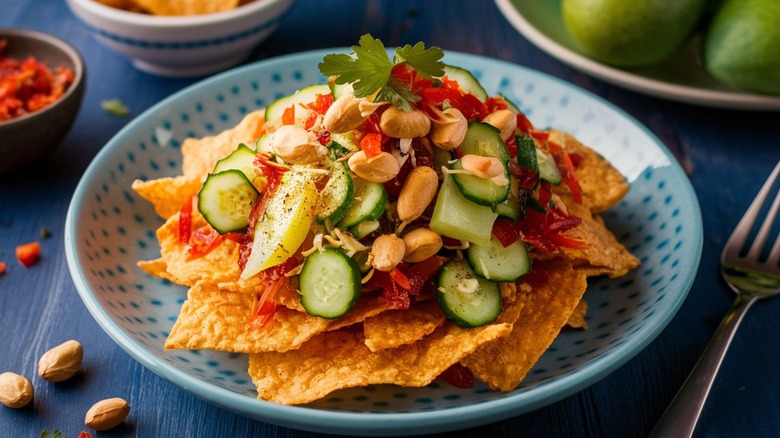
{"x": 369, "y": 69}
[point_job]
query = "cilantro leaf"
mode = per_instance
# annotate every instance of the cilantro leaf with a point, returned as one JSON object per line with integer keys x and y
{"x": 425, "y": 61}
{"x": 55, "y": 434}
{"x": 369, "y": 69}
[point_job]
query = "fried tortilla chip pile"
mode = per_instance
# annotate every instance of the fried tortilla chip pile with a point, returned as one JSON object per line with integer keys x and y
{"x": 297, "y": 358}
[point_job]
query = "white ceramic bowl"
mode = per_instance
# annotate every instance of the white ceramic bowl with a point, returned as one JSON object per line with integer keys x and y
{"x": 182, "y": 46}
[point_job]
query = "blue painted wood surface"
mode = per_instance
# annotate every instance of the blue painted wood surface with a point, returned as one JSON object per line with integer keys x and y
{"x": 726, "y": 153}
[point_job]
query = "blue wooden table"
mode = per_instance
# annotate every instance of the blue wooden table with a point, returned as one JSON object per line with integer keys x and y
{"x": 727, "y": 154}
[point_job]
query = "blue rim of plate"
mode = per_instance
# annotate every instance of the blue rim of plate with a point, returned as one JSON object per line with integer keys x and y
{"x": 322, "y": 420}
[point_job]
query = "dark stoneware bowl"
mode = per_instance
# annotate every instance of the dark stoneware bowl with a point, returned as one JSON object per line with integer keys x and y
{"x": 33, "y": 136}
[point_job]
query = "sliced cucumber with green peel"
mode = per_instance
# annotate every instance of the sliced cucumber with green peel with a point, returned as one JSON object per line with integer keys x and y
{"x": 369, "y": 203}
{"x": 468, "y": 83}
{"x": 498, "y": 263}
{"x": 484, "y": 140}
{"x": 548, "y": 170}
{"x": 345, "y": 140}
{"x": 329, "y": 283}
{"x": 510, "y": 208}
{"x": 304, "y": 95}
{"x": 243, "y": 159}
{"x": 526, "y": 153}
{"x": 466, "y": 298}
{"x": 480, "y": 190}
{"x": 226, "y": 199}
{"x": 263, "y": 144}
{"x": 457, "y": 217}
{"x": 364, "y": 228}
{"x": 339, "y": 90}
{"x": 337, "y": 195}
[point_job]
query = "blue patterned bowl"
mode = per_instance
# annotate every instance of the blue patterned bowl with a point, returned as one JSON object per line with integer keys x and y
{"x": 109, "y": 228}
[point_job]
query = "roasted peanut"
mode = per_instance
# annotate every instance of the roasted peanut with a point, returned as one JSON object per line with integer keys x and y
{"x": 505, "y": 120}
{"x": 387, "y": 252}
{"x": 398, "y": 123}
{"x": 348, "y": 112}
{"x": 448, "y": 131}
{"x": 61, "y": 362}
{"x": 107, "y": 414}
{"x": 379, "y": 168}
{"x": 15, "y": 390}
{"x": 296, "y": 145}
{"x": 421, "y": 244}
{"x": 418, "y": 191}
{"x": 485, "y": 167}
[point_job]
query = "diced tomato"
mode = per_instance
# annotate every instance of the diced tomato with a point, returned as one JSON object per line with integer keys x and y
{"x": 204, "y": 240}
{"x": 566, "y": 167}
{"x": 458, "y": 376}
{"x": 288, "y": 116}
{"x": 28, "y": 253}
{"x": 540, "y": 135}
{"x": 511, "y": 147}
{"x": 399, "y": 277}
{"x": 422, "y": 272}
{"x": 371, "y": 144}
{"x": 495, "y": 103}
{"x": 321, "y": 103}
{"x": 524, "y": 125}
{"x": 2, "y": 268}
{"x": 506, "y": 231}
{"x": 185, "y": 221}
{"x": 84, "y": 434}
{"x": 264, "y": 304}
{"x": 310, "y": 121}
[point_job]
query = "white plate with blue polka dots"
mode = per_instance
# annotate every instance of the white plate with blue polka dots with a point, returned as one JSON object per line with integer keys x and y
{"x": 109, "y": 229}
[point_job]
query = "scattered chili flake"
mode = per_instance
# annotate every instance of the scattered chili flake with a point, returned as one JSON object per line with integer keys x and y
{"x": 45, "y": 233}
{"x": 115, "y": 107}
{"x": 29, "y": 85}
{"x": 28, "y": 253}
{"x": 2, "y": 268}
{"x": 85, "y": 434}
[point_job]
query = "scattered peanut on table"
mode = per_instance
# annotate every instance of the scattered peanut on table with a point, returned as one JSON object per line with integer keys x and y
{"x": 107, "y": 414}
{"x": 61, "y": 362}
{"x": 15, "y": 390}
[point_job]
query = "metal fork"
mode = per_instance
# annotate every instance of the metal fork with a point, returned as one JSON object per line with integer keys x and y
{"x": 753, "y": 275}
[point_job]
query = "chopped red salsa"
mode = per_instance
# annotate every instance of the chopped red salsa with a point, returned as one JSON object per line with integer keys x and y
{"x": 28, "y": 85}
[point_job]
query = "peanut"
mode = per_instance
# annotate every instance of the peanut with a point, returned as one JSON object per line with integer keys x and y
{"x": 450, "y": 129}
{"x": 398, "y": 123}
{"x": 379, "y": 168}
{"x": 505, "y": 120}
{"x": 421, "y": 244}
{"x": 418, "y": 191}
{"x": 348, "y": 112}
{"x": 485, "y": 167}
{"x": 15, "y": 390}
{"x": 387, "y": 252}
{"x": 61, "y": 362}
{"x": 107, "y": 414}
{"x": 297, "y": 145}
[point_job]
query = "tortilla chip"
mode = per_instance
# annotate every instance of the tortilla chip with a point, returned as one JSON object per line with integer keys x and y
{"x": 217, "y": 319}
{"x": 602, "y": 185}
{"x": 504, "y": 363}
{"x": 167, "y": 195}
{"x": 367, "y": 306}
{"x": 340, "y": 359}
{"x": 156, "y": 268}
{"x": 603, "y": 253}
{"x": 219, "y": 265}
{"x": 200, "y": 155}
{"x": 398, "y": 327}
{"x": 577, "y": 318}
{"x": 186, "y": 7}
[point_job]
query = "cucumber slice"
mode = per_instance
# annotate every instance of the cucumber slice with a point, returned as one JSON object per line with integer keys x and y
{"x": 468, "y": 83}
{"x": 364, "y": 228}
{"x": 467, "y": 299}
{"x": 498, "y": 263}
{"x": 226, "y": 199}
{"x": 485, "y": 140}
{"x": 263, "y": 144}
{"x": 345, "y": 140}
{"x": 479, "y": 190}
{"x": 337, "y": 195}
{"x": 526, "y": 153}
{"x": 304, "y": 95}
{"x": 548, "y": 170}
{"x": 457, "y": 217}
{"x": 510, "y": 208}
{"x": 339, "y": 90}
{"x": 329, "y": 283}
{"x": 243, "y": 159}
{"x": 369, "y": 203}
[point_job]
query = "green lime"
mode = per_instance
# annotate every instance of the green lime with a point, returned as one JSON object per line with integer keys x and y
{"x": 742, "y": 45}
{"x": 631, "y": 33}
